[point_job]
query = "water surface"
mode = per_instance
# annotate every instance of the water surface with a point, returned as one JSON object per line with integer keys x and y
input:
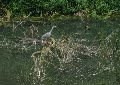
{"x": 86, "y": 53}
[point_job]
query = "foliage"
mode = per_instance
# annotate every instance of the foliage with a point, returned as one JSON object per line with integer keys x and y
{"x": 66, "y": 7}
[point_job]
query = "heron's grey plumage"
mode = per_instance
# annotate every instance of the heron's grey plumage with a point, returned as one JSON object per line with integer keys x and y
{"x": 48, "y": 34}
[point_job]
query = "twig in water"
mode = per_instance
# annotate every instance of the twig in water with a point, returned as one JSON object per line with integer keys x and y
{"x": 23, "y": 21}
{"x": 18, "y": 24}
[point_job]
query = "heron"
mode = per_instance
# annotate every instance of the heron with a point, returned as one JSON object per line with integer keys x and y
{"x": 48, "y": 34}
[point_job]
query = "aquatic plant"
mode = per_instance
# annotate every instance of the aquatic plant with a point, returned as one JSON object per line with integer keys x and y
{"x": 65, "y": 56}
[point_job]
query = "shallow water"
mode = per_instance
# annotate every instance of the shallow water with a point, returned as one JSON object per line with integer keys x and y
{"x": 86, "y": 53}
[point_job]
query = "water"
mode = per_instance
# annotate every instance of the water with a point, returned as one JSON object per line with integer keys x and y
{"x": 86, "y": 52}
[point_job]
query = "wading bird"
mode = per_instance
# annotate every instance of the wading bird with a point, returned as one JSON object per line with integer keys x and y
{"x": 48, "y": 34}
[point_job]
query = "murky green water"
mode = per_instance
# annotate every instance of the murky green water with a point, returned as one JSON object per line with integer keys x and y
{"x": 86, "y": 53}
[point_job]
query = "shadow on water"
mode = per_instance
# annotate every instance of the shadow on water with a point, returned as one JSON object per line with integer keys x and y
{"x": 86, "y": 52}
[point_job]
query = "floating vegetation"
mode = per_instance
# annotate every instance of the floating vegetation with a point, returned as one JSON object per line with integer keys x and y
{"x": 70, "y": 56}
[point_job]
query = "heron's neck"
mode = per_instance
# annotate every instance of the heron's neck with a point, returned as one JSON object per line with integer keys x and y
{"x": 51, "y": 29}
